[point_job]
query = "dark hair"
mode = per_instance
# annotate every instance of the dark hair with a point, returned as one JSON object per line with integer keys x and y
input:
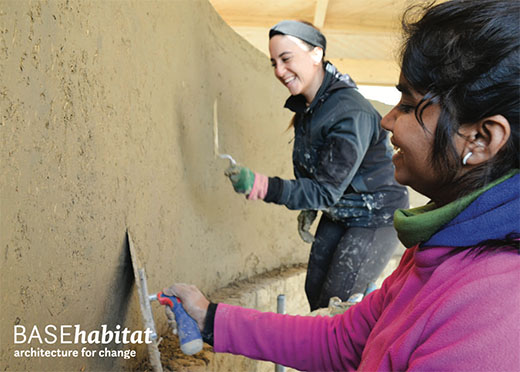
{"x": 305, "y": 34}
{"x": 464, "y": 56}
{"x": 511, "y": 242}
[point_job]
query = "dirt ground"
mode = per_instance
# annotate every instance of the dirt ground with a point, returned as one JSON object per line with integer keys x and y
{"x": 173, "y": 359}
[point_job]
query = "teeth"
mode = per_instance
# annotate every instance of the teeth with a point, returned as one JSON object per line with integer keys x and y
{"x": 287, "y": 81}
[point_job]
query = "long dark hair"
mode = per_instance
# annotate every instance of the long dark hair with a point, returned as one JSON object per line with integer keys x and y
{"x": 464, "y": 56}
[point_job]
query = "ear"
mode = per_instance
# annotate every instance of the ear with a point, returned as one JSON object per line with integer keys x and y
{"x": 317, "y": 54}
{"x": 485, "y": 138}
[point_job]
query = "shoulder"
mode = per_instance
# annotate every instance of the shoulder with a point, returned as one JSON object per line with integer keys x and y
{"x": 472, "y": 317}
{"x": 347, "y": 100}
{"x": 471, "y": 283}
{"x": 476, "y": 265}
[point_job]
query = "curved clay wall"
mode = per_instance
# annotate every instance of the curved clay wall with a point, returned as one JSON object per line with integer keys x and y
{"x": 107, "y": 124}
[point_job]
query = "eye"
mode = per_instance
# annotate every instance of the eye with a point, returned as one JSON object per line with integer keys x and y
{"x": 285, "y": 59}
{"x": 404, "y": 108}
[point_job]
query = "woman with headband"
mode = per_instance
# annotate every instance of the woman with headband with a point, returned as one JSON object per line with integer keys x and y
{"x": 342, "y": 164}
{"x": 453, "y": 302}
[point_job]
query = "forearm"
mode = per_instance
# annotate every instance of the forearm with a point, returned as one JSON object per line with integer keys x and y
{"x": 303, "y": 193}
{"x": 334, "y": 171}
{"x": 300, "y": 342}
{"x": 305, "y": 343}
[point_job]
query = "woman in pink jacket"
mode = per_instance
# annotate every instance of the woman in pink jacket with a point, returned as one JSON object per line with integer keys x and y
{"x": 454, "y": 301}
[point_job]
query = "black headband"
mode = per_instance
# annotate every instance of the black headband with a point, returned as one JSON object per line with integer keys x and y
{"x": 300, "y": 30}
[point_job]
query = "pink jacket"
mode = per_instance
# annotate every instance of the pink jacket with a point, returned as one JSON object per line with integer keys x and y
{"x": 435, "y": 312}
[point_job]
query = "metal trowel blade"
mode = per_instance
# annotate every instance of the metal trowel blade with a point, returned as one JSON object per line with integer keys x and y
{"x": 144, "y": 304}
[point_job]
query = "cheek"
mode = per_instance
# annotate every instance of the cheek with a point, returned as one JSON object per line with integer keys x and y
{"x": 416, "y": 139}
{"x": 419, "y": 155}
{"x": 294, "y": 68}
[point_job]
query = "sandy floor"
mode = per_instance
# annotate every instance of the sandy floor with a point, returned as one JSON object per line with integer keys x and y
{"x": 173, "y": 359}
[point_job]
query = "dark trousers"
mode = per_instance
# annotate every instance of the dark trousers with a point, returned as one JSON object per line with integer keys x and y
{"x": 344, "y": 260}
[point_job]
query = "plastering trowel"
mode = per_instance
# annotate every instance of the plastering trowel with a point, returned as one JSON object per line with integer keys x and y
{"x": 189, "y": 334}
{"x": 215, "y": 138}
{"x": 146, "y": 309}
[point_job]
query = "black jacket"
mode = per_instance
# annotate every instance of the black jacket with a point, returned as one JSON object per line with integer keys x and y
{"x": 341, "y": 157}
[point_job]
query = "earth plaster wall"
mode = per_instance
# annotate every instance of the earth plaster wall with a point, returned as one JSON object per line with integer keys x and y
{"x": 106, "y": 124}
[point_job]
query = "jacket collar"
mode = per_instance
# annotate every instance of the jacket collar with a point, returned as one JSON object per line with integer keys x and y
{"x": 460, "y": 223}
{"x": 493, "y": 215}
{"x": 332, "y": 80}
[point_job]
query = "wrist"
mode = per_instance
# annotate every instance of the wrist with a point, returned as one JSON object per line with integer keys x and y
{"x": 201, "y": 312}
{"x": 209, "y": 324}
{"x": 274, "y": 190}
{"x": 260, "y": 186}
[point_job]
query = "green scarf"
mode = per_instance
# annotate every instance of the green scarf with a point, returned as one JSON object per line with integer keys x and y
{"x": 417, "y": 225}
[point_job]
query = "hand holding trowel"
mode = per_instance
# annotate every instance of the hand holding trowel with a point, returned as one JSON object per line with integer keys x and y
{"x": 188, "y": 331}
{"x": 244, "y": 180}
{"x": 187, "y": 328}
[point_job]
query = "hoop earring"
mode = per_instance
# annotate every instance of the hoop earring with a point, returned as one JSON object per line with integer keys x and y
{"x": 466, "y": 157}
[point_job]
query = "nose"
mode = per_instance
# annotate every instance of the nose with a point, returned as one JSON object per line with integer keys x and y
{"x": 387, "y": 122}
{"x": 279, "y": 70}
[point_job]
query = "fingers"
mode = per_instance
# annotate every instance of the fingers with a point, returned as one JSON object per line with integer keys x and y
{"x": 305, "y": 220}
{"x": 169, "y": 313}
{"x": 232, "y": 170}
{"x": 171, "y": 291}
{"x": 306, "y": 236}
{"x": 180, "y": 290}
{"x": 171, "y": 319}
{"x": 236, "y": 175}
{"x": 193, "y": 301}
{"x": 242, "y": 178}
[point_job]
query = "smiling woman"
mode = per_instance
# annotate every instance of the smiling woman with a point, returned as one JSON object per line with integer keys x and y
{"x": 462, "y": 100}
{"x": 342, "y": 166}
{"x": 410, "y": 140}
{"x": 290, "y": 57}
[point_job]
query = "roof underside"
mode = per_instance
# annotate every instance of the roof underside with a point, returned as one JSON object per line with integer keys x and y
{"x": 363, "y": 36}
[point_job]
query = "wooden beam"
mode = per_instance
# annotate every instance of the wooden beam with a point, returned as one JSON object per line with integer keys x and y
{"x": 368, "y": 71}
{"x": 320, "y": 13}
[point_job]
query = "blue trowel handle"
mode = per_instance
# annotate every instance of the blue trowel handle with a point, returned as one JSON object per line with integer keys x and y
{"x": 187, "y": 328}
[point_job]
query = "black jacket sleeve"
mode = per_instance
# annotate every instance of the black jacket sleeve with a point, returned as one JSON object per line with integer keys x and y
{"x": 339, "y": 160}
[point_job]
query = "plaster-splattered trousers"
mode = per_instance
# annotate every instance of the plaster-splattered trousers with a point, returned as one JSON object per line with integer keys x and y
{"x": 344, "y": 259}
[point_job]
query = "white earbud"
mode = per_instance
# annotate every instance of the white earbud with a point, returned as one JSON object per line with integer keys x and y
{"x": 466, "y": 157}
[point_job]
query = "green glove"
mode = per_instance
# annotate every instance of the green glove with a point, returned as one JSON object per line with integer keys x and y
{"x": 242, "y": 178}
{"x": 305, "y": 220}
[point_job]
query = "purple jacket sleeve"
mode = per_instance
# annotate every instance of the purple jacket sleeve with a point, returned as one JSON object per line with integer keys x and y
{"x": 301, "y": 342}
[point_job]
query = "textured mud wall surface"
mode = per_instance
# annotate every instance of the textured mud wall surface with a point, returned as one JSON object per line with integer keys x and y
{"x": 106, "y": 124}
